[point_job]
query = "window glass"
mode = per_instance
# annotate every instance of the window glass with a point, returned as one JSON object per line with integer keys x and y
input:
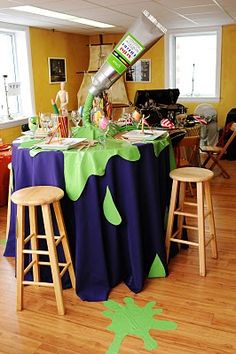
{"x": 8, "y": 73}
{"x": 193, "y": 64}
{"x": 16, "y": 93}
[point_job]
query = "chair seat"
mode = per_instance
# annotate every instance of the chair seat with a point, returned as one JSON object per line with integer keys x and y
{"x": 38, "y": 195}
{"x": 213, "y": 149}
{"x": 191, "y": 174}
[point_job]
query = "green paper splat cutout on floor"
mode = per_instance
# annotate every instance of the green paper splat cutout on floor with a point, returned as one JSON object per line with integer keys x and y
{"x": 130, "y": 319}
{"x": 110, "y": 211}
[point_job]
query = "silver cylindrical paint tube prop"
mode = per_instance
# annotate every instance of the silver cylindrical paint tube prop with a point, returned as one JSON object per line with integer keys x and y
{"x": 144, "y": 32}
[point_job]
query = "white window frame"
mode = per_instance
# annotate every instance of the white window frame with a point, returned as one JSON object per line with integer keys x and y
{"x": 23, "y": 65}
{"x": 170, "y": 77}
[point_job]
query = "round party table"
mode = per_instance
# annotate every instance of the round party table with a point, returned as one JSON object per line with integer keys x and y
{"x": 115, "y": 205}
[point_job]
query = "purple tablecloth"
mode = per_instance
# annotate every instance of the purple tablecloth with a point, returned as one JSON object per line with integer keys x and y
{"x": 103, "y": 254}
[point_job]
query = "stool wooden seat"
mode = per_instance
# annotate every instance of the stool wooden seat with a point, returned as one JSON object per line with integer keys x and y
{"x": 178, "y": 204}
{"x": 44, "y": 197}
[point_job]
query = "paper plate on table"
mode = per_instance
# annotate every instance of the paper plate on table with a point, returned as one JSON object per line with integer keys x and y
{"x": 38, "y": 134}
{"x": 146, "y": 135}
{"x": 28, "y": 133}
{"x": 63, "y": 144}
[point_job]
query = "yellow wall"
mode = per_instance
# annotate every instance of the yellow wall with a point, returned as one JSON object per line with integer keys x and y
{"x": 49, "y": 43}
{"x": 156, "y": 54}
{"x": 228, "y": 72}
{"x": 9, "y": 134}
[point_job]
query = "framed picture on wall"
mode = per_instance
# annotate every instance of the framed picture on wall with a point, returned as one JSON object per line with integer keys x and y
{"x": 57, "y": 70}
{"x": 139, "y": 72}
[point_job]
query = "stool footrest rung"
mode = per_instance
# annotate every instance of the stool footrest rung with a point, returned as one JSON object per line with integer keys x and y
{"x": 183, "y": 213}
{"x": 190, "y": 203}
{"x": 44, "y": 237}
{"x": 35, "y": 252}
{"x": 176, "y": 233}
{"x": 38, "y": 283}
{"x": 66, "y": 266}
{"x": 28, "y": 238}
{"x": 189, "y": 227}
{"x": 191, "y": 215}
{"x": 209, "y": 240}
{"x": 184, "y": 242}
{"x": 45, "y": 263}
{"x": 29, "y": 266}
{"x": 59, "y": 239}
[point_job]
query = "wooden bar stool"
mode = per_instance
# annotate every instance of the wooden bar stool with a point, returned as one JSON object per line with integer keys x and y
{"x": 178, "y": 204}
{"x": 42, "y": 196}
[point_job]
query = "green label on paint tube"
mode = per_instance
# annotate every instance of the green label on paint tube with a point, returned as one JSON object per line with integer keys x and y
{"x": 116, "y": 63}
{"x": 125, "y": 53}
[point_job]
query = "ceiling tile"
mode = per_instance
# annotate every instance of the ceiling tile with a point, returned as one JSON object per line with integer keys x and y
{"x": 211, "y": 9}
{"x": 183, "y": 3}
{"x": 7, "y": 3}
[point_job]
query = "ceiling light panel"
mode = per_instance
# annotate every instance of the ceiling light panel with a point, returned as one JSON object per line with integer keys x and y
{"x": 66, "y": 6}
{"x": 61, "y": 16}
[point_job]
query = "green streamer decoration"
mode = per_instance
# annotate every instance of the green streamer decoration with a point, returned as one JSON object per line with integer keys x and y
{"x": 54, "y": 107}
{"x": 110, "y": 211}
{"x": 87, "y": 109}
{"x": 130, "y": 319}
{"x": 88, "y": 130}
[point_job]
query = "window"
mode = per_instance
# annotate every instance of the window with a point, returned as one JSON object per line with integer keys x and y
{"x": 15, "y": 67}
{"x": 193, "y": 63}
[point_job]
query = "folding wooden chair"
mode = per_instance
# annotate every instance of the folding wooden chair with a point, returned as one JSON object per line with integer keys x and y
{"x": 215, "y": 153}
{"x": 187, "y": 154}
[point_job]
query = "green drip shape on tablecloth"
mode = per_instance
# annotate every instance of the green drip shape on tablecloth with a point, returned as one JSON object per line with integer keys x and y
{"x": 93, "y": 162}
{"x": 161, "y": 144}
{"x": 130, "y": 319}
{"x": 110, "y": 211}
{"x": 157, "y": 269}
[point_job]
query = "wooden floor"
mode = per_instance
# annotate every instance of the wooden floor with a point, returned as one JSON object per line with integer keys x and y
{"x": 203, "y": 308}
